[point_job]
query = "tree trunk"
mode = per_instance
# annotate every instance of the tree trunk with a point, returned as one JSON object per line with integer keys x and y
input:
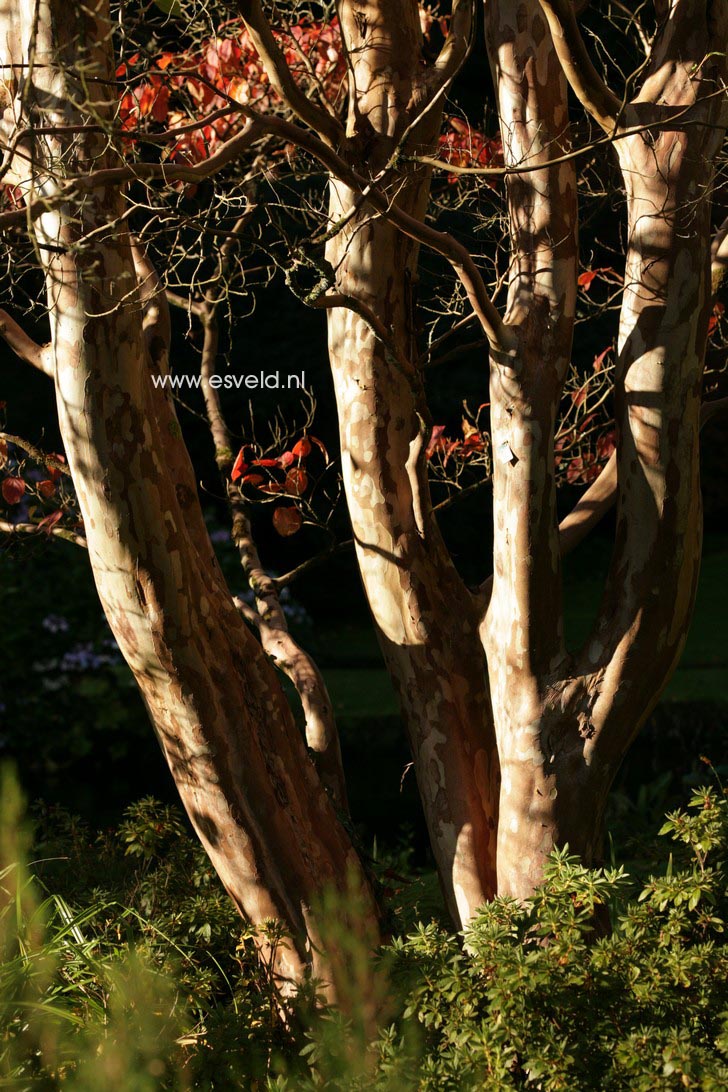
{"x": 523, "y": 627}
{"x": 239, "y": 762}
{"x": 564, "y": 723}
{"x": 425, "y": 617}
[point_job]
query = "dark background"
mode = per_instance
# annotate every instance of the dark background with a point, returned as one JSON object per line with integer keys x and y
{"x": 70, "y": 716}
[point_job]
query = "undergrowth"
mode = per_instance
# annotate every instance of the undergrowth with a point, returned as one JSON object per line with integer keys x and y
{"x": 123, "y": 965}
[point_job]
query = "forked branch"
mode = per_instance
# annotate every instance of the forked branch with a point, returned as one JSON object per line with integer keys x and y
{"x": 281, "y": 77}
{"x": 586, "y": 83}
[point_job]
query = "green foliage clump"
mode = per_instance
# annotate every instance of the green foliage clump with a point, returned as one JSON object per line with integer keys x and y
{"x": 124, "y": 965}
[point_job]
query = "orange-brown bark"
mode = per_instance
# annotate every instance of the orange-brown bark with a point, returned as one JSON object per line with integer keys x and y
{"x": 424, "y": 615}
{"x": 239, "y": 762}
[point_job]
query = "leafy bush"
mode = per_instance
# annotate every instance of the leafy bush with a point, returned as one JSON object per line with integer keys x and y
{"x": 124, "y": 965}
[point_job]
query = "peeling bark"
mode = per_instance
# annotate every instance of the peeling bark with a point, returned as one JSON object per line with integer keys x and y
{"x": 564, "y": 724}
{"x": 557, "y": 724}
{"x": 239, "y": 762}
{"x": 523, "y": 627}
{"x": 424, "y": 615}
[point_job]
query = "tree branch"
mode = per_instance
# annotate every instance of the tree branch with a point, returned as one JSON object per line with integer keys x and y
{"x": 8, "y": 528}
{"x": 340, "y": 299}
{"x": 457, "y": 45}
{"x": 594, "y": 504}
{"x": 156, "y": 322}
{"x": 40, "y": 356}
{"x": 270, "y": 620}
{"x": 281, "y": 77}
{"x": 36, "y": 454}
{"x": 586, "y": 83}
{"x": 440, "y": 242}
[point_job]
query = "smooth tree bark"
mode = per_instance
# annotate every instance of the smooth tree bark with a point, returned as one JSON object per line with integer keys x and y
{"x": 569, "y": 720}
{"x": 523, "y": 627}
{"x": 425, "y": 617}
{"x": 216, "y": 704}
{"x": 515, "y": 740}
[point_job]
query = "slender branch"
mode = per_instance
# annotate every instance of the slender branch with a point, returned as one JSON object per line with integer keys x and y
{"x": 586, "y": 83}
{"x": 457, "y": 45}
{"x": 270, "y": 620}
{"x": 75, "y": 186}
{"x": 340, "y": 299}
{"x": 591, "y": 507}
{"x": 312, "y": 562}
{"x": 156, "y": 322}
{"x": 40, "y": 356}
{"x": 328, "y": 128}
{"x": 35, "y": 453}
{"x": 671, "y": 118}
{"x": 194, "y": 307}
{"x": 634, "y": 22}
{"x": 594, "y": 504}
{"x": 440, "y": 242}
{"x": 8, "y": 528}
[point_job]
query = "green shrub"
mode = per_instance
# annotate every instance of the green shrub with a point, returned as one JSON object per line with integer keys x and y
{"x": 125, "y": 966}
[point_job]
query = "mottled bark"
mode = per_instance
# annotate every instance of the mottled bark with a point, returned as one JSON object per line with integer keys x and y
{"x": 523, "y": 627}
{"x": 561, "y": 722}
{"x": 238, "y": 760}
{"x": 424, "y": 615}
{"x": 564, "y": 723}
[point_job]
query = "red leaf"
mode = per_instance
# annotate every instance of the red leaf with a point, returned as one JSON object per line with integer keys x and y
{"x": 436, "y": 440}
{"x": 160, "y": 109}
{"x": 46, "y": 488}
{"x": 50, "y": 521}
{"x": 287, "y": 521}
{"x": 239, "y": 466}
{"x": 264, "y": 462}
{"x": 302, "y": 449}
{"x": 460, "y": 126}
{"x": 599, "y": 360}
{"x": 715, "y": 317}
{"x": 605, "y": 445}
{"x": 575, "y": 470}
{"x": 53, "y": 472}
{"x": 145, "y": 96}
{"x": 253, "y": 479}
{"x": 585, "y": 279}
{"x": 296, "y": 481}
{"x": 13, "y": 490}
{"x": 226, "y": 49}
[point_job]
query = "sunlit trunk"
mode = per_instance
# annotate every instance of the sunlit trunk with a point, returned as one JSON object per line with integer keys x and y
{"x": 425, "y": 617}
{"x": 216, "y": 704}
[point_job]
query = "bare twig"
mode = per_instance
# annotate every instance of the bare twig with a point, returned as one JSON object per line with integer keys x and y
{"x": 36, "y": 454}
{"x": 40, "y": 356}
{"x": 8, "y": 528}
{"x": 321, "y": 121}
